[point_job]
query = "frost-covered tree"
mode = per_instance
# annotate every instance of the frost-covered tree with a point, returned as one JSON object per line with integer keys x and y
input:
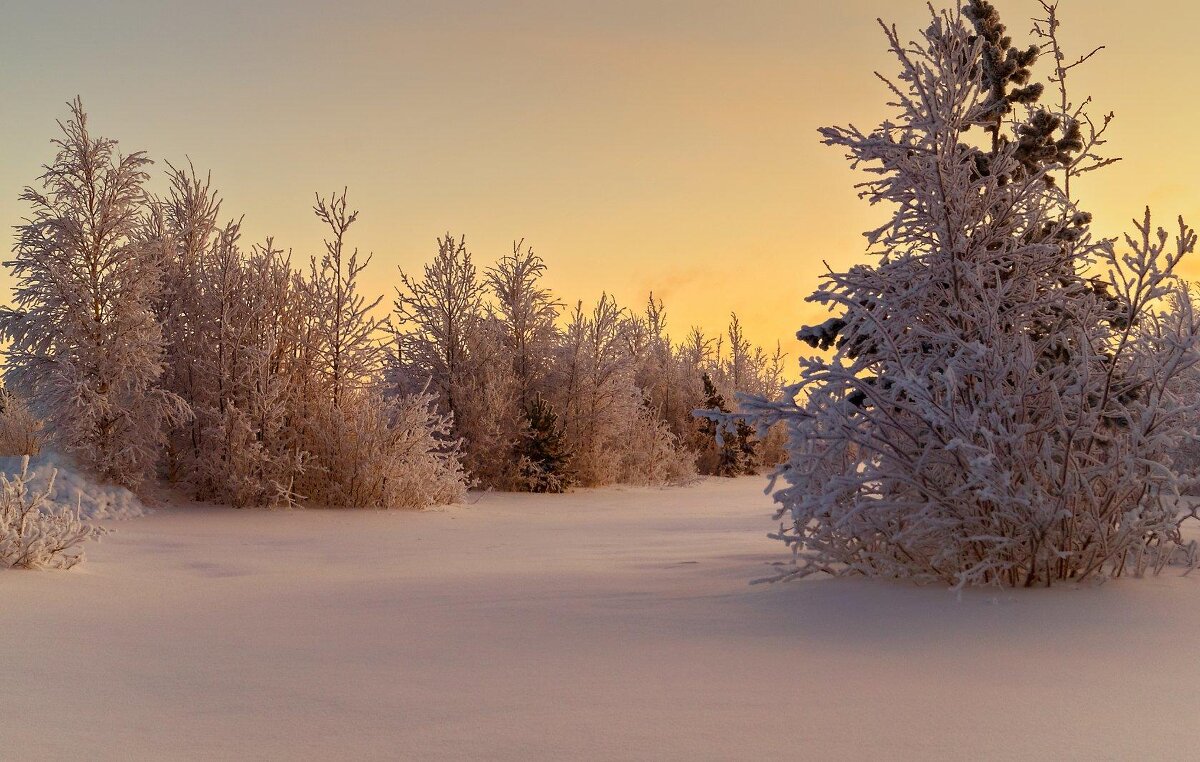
{"x": 229, "y": 320}
{"x": 527, "y": 313}
{"x": 448, "y": 342}
{"x": 511, "y": 349}
{"x": 480, "y": 360}
{"x": 270, "y": 378}
{"x": 731, "y": 449}
{"x": 182, "y": 228}
{"x": 436, "y": 316}
{"x": 998, "y": 407}
{"x": 669, "y": 376}
{"x": 366, "y": 449}
{"x": 613, "y": 434}
{"x": 347, "y": 350}
{"x": 742, "y": 369}
{"x": 595, "y": 393}
{"x": 487, "y": 398}
{"x": 86, "y": 346}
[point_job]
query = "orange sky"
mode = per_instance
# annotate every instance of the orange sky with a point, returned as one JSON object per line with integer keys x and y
{"x": 637, "y": 145}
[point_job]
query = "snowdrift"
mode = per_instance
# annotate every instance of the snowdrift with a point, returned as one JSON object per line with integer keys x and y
{"x": 71, "y": 487}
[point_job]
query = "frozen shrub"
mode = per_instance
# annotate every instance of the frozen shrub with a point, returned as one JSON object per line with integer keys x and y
{"x": 382, "y": 453}
{"x": 651, "y": 456}
{"x": 34, "y": 533}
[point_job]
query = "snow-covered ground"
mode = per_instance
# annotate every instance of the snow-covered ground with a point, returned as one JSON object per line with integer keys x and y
{"x": 74, "y": 489}
{"x": 611, "y": 624}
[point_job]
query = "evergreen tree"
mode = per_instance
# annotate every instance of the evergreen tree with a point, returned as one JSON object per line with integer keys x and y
{"x": 543, "y": 456}
{"x": 732, "y": 439}
{"x": 995, "y": 410}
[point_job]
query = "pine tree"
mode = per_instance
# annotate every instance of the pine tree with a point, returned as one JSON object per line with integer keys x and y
{"x": 731, "y": 438}
{"x": 543, "y": 456}
{"x": 995, "y": 411}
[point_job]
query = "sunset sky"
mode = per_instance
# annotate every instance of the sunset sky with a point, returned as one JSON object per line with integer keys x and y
{"x": 638, "y": 145}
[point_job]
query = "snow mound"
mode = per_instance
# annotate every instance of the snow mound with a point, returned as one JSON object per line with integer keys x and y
{"x": 71, "y": 486}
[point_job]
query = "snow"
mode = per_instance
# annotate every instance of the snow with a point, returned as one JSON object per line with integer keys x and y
{"x": 606, "y": 624}
{"x": 73, "y": 488}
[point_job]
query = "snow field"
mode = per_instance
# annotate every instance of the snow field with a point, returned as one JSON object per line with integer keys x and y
{"x": 605, "y": 624}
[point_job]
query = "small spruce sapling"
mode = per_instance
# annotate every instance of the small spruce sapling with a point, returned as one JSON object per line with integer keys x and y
{"x": 731, "y": 437}
{"x": 543, "y": 458}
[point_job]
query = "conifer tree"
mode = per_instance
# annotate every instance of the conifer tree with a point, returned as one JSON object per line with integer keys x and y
{"x": 731, "y": 439}
{"x": 543, "y": 456}
{"x": 998, "y": 407}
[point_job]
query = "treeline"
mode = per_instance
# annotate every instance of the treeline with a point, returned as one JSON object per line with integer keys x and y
{"x": 153, "y": 342}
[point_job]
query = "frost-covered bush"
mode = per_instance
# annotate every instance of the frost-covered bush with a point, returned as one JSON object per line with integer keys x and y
{"x": 21, "y": 432}
{"x": 652, "y": 456}
{"x": 35, "y": 531}
{"x": 382, "y": 453}
{"x": 282, "y": 368}
{"x": 611, "y": 431}
{"x": 365, "y": 450}
{"x": 998, "y": 405}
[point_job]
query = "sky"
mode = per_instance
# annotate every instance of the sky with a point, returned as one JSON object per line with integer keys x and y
{"x": 637, "y": 145}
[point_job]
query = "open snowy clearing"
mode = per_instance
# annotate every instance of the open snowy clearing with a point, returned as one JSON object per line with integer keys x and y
{"x": 611, "y": 624}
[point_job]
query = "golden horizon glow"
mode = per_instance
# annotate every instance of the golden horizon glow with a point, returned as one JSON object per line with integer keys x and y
{"x": 637, "y": 146}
